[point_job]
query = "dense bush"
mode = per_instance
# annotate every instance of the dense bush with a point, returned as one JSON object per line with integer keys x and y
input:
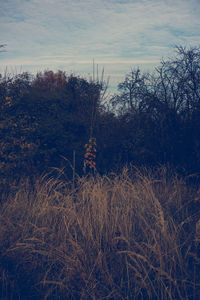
{"x": 46, "y": 118}
{"x": 43, "y": 119}
{"x": 160, "y": 112}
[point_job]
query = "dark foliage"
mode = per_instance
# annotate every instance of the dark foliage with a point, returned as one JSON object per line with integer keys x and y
{"x": 155, "y": 119}
{"x": 161, "y": 112}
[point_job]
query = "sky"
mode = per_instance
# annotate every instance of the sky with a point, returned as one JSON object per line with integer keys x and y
{"x": 118, "y": 35}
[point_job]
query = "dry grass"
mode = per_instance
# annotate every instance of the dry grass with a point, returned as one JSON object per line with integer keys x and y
{"x": 113, "y": 237}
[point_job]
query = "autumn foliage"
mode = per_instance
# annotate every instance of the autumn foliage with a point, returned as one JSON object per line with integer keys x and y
{"x": 152, "y": 119}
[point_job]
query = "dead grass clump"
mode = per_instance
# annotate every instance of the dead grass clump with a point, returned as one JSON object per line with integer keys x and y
{"x": 110, "y": 237}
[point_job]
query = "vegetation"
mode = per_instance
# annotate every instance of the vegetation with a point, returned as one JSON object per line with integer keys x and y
{"x": 161, "y": 112}
{"x": 76, "y": 223}
{"x": 154, "y": 120}
{"x": 44, "y": 119}
{"x": 128, "y": 236}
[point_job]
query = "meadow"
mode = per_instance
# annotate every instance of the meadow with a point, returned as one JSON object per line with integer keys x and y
{"x": 133, "y": 235}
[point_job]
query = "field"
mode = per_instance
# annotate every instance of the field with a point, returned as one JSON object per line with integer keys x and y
{"x": 133, "y": 235}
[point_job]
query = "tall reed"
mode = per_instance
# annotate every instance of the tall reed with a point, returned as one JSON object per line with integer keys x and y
{"x": 127, "y": 236}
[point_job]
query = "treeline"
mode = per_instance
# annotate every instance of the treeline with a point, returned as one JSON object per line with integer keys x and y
{"x": 153, "y": 119}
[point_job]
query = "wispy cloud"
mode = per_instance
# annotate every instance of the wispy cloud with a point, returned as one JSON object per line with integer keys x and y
{"x": 113, "y": 32}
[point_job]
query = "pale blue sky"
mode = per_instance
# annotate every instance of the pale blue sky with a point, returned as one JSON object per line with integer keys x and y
{"x": 117, "y": 34}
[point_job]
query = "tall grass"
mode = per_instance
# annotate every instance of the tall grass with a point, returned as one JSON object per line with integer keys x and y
{"x": 127, "y": 236}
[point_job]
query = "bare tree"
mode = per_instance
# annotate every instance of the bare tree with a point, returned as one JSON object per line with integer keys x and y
{"x": 179, "y": 80}
{"x": 133, "y": 91}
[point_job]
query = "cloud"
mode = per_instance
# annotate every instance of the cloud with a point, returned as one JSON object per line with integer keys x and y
{"x": 113, "y": 32}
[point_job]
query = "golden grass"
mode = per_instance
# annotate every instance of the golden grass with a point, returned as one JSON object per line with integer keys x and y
{"x": 127, "y": 236}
